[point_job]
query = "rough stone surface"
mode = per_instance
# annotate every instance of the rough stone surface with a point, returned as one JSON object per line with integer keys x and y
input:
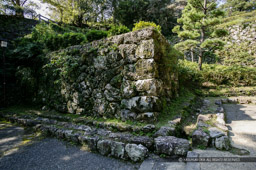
{"x": 200, "y": 138}
{"x": 118, "y": 150}
{"x": 104, "y": 147}
{"x": 222, "y": 143}
{"x": 215, "y": 132}
{"x": 165, "y": 131}
{"x": 136, "y": 152}
{"x": 123, "y": 76}
{"x": 171, "y": 145}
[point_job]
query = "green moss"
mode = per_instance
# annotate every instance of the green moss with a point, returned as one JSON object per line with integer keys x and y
{"x": 201, "y": 147}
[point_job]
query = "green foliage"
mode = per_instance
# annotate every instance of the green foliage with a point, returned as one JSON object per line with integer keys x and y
{"x": 217, "y": 74}
{"x": 198, "y": 32}
{"x": 238, "y": 18}
{"x": 142, "y": 24}
{"x": 64, "y": 65}
{"x": 189, "y": 73}
{"x": 95, "y": 35}
{"x": 117, "y": 29}
{"x": 242, "y": 54}
{"x": 174, "y": 108}
{"x": 60, "y": 41}
{"x": 240, "y": 5}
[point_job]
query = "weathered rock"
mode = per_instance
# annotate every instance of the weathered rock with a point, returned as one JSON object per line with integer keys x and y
{"x": 203, "y": 118}
{"x": 128, "y": 115}
{"x": 220, "y": 110}
{"x": 220, "y": 118}
{"x": 118, "y": 150}
{"x": 165, "y": 131}
{"x": 202, "y": 124}
{"x": 200, "y": 138}
{"x": 218, "y": 102}
{"x": 141, "y": 104}
{"x": 215, "y": 132}
{"x": 171, "y": 145}
{"x": 89, "y": 141}
{"x": 136, "y": 152}
{"x": 149, "y": 128}
{"x": 104, "y": 147}
{"x": 144, "y": 140}
{"x": 222, "y": 143}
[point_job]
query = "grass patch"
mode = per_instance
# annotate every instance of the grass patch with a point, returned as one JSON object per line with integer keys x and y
{"x": 226, "y": 91}
{"x": 175, "y": 108}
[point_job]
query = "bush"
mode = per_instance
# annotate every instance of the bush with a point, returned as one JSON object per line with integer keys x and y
{"x": 60, "y": 41}
{"x": 215, "y": 73}
{"x": 96, "y": 35}
{"x": 142, "y": 24}
{"x": 117, "y": 29}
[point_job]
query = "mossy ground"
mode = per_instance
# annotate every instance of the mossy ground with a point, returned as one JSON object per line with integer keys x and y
{"x": 226, "y": 91}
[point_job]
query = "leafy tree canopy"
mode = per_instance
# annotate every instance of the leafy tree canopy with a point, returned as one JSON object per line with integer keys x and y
{"x": 197, "y": 28}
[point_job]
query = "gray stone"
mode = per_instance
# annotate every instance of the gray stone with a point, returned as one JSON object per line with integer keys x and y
{"x": 200, "y": 138}
{"x": 149, "y": 128}
{"x": 218, "y": 102}
{"x": 141, "y": 104}
{"x": 220, "y": 110}
{"x": 136, "y": 152}
{"x": 128, "y": 115}
{"x": 171, "y": 145}
{"x": 222, "y": 143}
{"x": 165, "y": 131}
{"x": 89, "y": 141}
{"x": 144, "y": 140}
{"x": 215, "y": 132}
{"x": 104, "y": 147}
{"x": 118, "y": 150}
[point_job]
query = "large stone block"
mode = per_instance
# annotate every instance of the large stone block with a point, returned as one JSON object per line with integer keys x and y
{"x": 171, "y": 145}
{"x": 141, "y": 104}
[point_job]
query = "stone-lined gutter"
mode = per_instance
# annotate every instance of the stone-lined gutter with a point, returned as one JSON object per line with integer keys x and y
{"x": 211, "y": 129}
{"x": 123, "y": 145}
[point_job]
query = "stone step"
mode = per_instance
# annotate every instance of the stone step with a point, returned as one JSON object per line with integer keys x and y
{"x": 119, "y": 145}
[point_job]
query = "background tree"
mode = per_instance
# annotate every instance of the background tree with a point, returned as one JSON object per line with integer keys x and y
{"x": 128, "y": 12}
{"x": 198, "y": 22}
{"x": 240, "y": 5}
{"x": 18, "y": 7}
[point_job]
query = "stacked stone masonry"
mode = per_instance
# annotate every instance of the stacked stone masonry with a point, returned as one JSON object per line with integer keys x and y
{"x": 126, "y": 76}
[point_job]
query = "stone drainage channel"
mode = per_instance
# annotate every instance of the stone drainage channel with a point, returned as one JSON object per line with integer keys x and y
{"x": 211, "y": 131}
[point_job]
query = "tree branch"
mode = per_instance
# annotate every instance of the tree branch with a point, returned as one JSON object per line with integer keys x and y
{"x": 24, "y": 2}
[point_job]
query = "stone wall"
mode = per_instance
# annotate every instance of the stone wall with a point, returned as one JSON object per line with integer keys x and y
{"x": 241, "y": 45}
{"x": 127, "y": 76}
{"x": 241, "y": 33}
{"x": 12, "y": 27}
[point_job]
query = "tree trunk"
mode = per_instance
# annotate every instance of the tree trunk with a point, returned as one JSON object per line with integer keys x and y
{"x": 114, "y": 3}
{"x": 200, "y": 59}
{"x": 192, "y": 54}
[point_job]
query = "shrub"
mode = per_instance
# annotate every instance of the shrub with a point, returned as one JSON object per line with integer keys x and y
{"x": 142, "y": 24}
{"x": 95, "y": 35}
{"x": 118, "y": 29}
{"x": 215, "y": 73}
{"x": 60, "y": 41}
